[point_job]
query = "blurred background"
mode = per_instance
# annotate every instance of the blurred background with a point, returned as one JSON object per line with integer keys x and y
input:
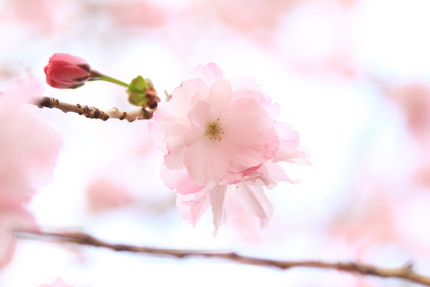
{"x": 351, "y": 76}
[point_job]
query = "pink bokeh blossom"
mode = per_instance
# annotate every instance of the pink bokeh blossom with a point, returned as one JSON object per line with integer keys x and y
{"x": 39, "y": 15}
{"x": 414, "y": 100}
{"x": 222, "y": 141}
{"x": 103, "y": 195}
{"x": 144, "y": 14}
{"x": 258, "y": 17}
{"x": 28, "y": 149}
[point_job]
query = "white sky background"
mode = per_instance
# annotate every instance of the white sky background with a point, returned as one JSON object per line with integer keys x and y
{"x": 328, "y": 64}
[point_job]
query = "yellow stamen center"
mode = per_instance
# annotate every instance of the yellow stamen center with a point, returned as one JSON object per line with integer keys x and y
{"x": 215, "y": 130}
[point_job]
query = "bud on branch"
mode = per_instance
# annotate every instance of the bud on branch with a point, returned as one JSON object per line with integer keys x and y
{"x": 65, "y": 71}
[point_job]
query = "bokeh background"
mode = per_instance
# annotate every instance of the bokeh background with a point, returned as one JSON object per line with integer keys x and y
{"x": 352, "y": 76}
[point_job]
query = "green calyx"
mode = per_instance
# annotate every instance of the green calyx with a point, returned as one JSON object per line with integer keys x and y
{"x": 76, "y": 86}
{"x": 137, "y": 91}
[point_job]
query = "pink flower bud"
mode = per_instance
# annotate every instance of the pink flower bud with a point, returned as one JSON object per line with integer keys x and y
{"x": 65, "y": 71}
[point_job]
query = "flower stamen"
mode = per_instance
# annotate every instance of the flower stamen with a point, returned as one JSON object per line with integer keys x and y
{"x": 215, "y": 130}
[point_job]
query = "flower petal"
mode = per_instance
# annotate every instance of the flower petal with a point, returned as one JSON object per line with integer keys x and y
{"x": 181, "y": 101}
{"x": 220, "y": 98}
{"x": 206, "y": 161}
{"x": 247, "y": 83}
{"x": 199, "y": 116}
{"x": 255, "y": 202}
{"x": 289, "y": 149}
{"x": 175, "y": 146}
{"x": 193, "y": 205}
{"x": 210, "y": 73}
{"x": 246, "y": 122}
{"x": 217, "y": 199}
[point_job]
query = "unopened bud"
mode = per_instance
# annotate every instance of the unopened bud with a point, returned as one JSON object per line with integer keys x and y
{"x": 65, "y": 71}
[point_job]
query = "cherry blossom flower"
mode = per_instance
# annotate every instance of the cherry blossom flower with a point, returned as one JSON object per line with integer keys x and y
{"x": 28, "y": 149}
{"x": 65, "y": 71}
{"x": 221, "y": 141}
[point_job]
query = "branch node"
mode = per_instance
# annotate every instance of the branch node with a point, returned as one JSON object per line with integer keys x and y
{"x": 124, "y": 115}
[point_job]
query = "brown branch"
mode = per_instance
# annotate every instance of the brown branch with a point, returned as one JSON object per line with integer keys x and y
{"x": 95, "y": 113}
{"x": 406, "y": 272}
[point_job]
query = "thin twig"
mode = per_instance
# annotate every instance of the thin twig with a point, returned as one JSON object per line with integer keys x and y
{"x": 95, "y": 113}
{"x": 406, "y": 272}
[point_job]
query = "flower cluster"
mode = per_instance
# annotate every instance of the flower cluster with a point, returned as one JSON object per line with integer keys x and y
{"x": 222, "y": 141}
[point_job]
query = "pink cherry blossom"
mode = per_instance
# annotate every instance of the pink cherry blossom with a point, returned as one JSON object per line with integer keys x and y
{"x": 28, "y": 149}
{"x": 65, "y": 71}
{"x": 210, "y": 129}
{"x": 222, "y": 141}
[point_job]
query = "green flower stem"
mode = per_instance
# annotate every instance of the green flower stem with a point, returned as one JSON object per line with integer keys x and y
{"x": 96, "y": 76}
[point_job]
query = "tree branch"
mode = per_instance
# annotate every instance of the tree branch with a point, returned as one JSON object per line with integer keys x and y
{"x": 406, "y": 272}
{"x": 95, "y": 113}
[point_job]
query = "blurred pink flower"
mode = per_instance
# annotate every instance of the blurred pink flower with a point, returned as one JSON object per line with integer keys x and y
{"x": 13, "y": 216}
{"x": 65, "y": 71}
{"x": 104, "y": 195}
{"x": 414, "y": 99}
{"x": 252, "y": 15}
{"x": 37, "y": 14}
{"x": 28, "y": 145}
{"x": 28, "y": 149}
{"x": 144, "y": 14}
{"x": 372, "y": 218}
{"x": 316, "y": 38}
{"x": 221, "y": 139}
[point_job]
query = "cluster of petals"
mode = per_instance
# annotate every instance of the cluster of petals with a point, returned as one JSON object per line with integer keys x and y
{"x": 221, "y": 141}
{"x": 28, "y": 149}
{"x": 65, "y": 71}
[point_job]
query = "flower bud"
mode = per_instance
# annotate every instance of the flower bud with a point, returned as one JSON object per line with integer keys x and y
{"x": 141, "y": 93}
{"x": 65, "y": 71}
